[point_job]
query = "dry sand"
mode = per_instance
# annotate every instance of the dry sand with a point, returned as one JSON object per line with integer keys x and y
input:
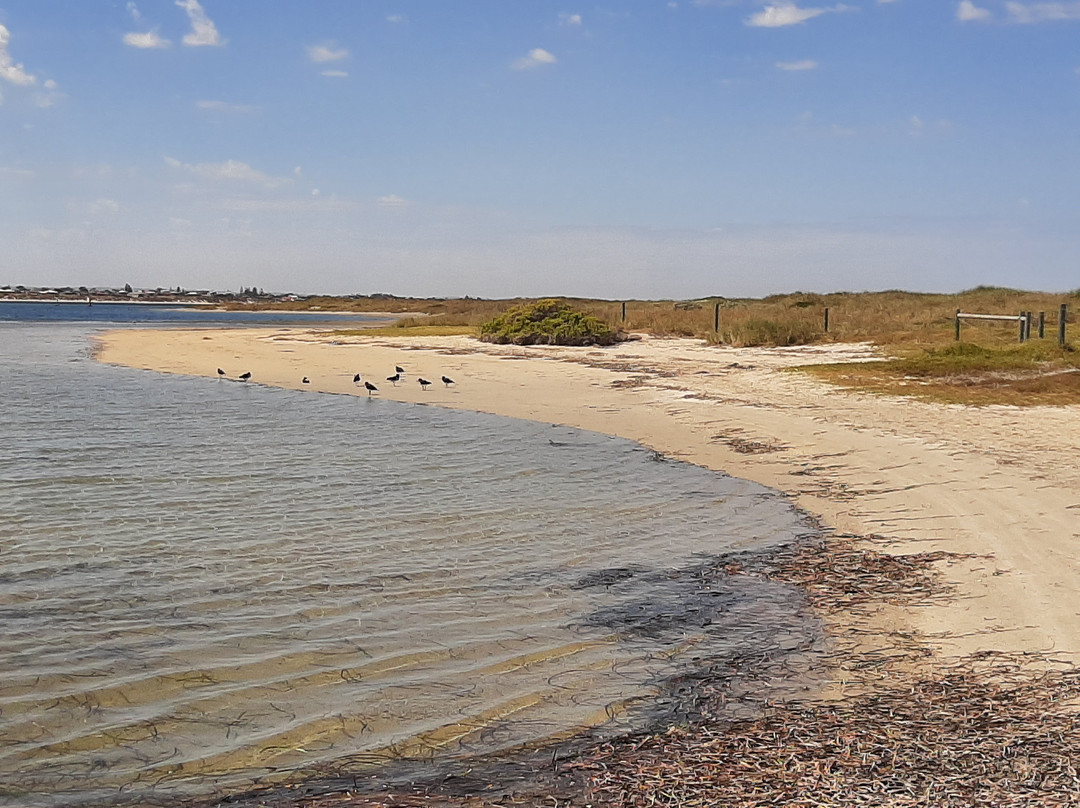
{"x": 1000, "y": 483}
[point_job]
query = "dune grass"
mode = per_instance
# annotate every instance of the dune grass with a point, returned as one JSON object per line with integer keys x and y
{"x": 915, "y": 328}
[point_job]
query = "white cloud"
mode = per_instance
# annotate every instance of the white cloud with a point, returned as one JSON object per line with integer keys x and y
{"x": 804, "y": 64}
{"x": 335, "y": 74}
{"x": 150, "y": 39}
{"x": 570, "y": 20}
{"x": 133, "y": 10}
{"x": 230, "y": 170}
{"x": 967, "y": 11}
{"x": 396, "y": 18}
{"x": 784, "y": 14}
{"x": 203, "y": 31}
{"x": 326, "y": 53}
{"x": 14, "y": 73}
{"x": 392, "y": 201}
{"x": 1043, "y": 12}
{"x": 225, "y": 106}
{"x": 536, "y": 58}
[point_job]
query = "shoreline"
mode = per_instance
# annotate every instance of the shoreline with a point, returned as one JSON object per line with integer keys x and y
{"x": 995, "y": 483}
{"x": 944, "y": 577}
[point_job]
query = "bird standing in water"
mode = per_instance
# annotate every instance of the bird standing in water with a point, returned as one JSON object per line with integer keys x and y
{"x": 371, "y": 388}
{"x": 245, "y": 375}
{"x": 220, "y": 372}
{"x": 394, "y": 378}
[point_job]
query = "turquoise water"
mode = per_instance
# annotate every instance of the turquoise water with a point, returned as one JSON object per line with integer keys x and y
{"x": 203, "y": 583}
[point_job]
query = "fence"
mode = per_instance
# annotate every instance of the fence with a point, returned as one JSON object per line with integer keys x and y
{"x": 1024, "y": 319}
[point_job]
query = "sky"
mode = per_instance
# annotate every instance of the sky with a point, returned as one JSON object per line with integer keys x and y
{"x": 639, "y": 149}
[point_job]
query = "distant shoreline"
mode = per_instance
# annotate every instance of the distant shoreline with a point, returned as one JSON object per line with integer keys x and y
{"x": 106, "y": 301}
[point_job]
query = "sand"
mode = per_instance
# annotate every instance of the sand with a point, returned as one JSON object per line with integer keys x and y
{"x": 1001, "y": 484}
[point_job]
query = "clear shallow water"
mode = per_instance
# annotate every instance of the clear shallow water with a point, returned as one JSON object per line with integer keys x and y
{"x": 205, "y": 582}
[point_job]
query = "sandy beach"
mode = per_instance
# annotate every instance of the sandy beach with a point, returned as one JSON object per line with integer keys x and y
{"x": 997, "y": 484}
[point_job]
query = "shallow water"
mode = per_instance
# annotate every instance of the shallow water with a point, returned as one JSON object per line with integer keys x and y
{"x": 204, "y": 582}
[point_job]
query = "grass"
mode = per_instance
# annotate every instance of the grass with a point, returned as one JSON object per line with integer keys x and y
{"x": 917, "y": 328}
{"x": 965, "y": 373}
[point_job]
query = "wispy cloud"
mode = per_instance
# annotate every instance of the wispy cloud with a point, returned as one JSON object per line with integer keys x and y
{"x": 326, "y": 53}
{"x": 1043, "y": 12}
{"x": 396, "y": 19}
{"x": 133, "y": 10}
{"x": 804, "y": 64}
{"x": 225, "y": 106}
{"x": 570, "y": 20}
{"x": 146, "y": 41}
{"x": 536, "y": 58}
{"x": 230, "y": 170}
{"x": 392, "y": 201}
{"x": 335, "y": 74}
{"x": 783, "y": 14}
{"x": 203, "y": 31}
{"x": 9, "y": 70}
{"x": 967, "y": 11}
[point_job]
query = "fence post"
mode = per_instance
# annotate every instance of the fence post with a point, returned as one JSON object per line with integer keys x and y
{"x": 716, "y": 318}
{"x": 958, "y": 325}
{"x": 1062, "y": 312}
{"x": 624, "y": 311}
{"x": 1022, "y": 318}
{"x": 826, "y": 319}
{"x": 1042, "y": 325}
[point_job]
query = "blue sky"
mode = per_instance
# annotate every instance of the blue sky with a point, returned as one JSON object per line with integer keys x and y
{"x": 490, "y": 148}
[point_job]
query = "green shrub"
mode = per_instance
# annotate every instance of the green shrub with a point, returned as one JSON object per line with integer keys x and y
{"x": 547, "y": 322}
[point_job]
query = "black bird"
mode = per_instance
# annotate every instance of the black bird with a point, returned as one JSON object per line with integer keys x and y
{"x": 245, "y": 375}
{"x": 423, "y": 383}
{"x": 220, "y": 372}
{"x": 371, "y": 388}
{"x": 394, "y": 378}
{"x": 447, "y": 381}
{"x": 305, "y": 380}
{"x": 356, "y": 379}
{"x": 398, "y": 370}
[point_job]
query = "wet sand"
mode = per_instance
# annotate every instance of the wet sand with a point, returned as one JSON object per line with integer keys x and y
{"x": 998, "y": 483}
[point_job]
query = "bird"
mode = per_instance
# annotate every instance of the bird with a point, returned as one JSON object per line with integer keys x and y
{"x": 220, "y": 372}
{"x": 356, "y": 379}
{"x": 447, "y": 381}
{"x": 371, "y": 388}
{"x": 394, "y": 378}
{"x": 245, "y": 375}
{"x": 398, "y": 369}
{"x": 305, "y": 380}
{"x": 423, "y": 383}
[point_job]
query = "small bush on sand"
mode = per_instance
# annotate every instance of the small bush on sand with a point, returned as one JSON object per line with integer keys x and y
{"x": 547, "y": 322}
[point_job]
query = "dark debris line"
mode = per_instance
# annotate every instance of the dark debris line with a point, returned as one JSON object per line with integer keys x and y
{"x": 989, "y": 730}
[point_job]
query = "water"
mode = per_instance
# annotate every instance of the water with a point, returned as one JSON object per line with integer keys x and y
{"x": 203, "y": 583}
{"x": 163, "y": 314}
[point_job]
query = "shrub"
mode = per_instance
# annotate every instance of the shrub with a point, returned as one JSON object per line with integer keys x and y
{"x": 547, "y": 322}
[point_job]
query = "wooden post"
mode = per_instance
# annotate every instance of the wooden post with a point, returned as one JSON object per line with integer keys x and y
{"x": 1042, "y": 325}
{"x": 1062, "y": 312}
{"x": 624, "y": 311}
{"x": 958, "y": 325}
{"x": 1027, "y": 325}
{"x": 826, "y": 319}
{"x": 716, "y": 319}
{"x": 1022, "y": 318}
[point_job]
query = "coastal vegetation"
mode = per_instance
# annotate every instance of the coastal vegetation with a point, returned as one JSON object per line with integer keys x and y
{"x": 547, "y": 322}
